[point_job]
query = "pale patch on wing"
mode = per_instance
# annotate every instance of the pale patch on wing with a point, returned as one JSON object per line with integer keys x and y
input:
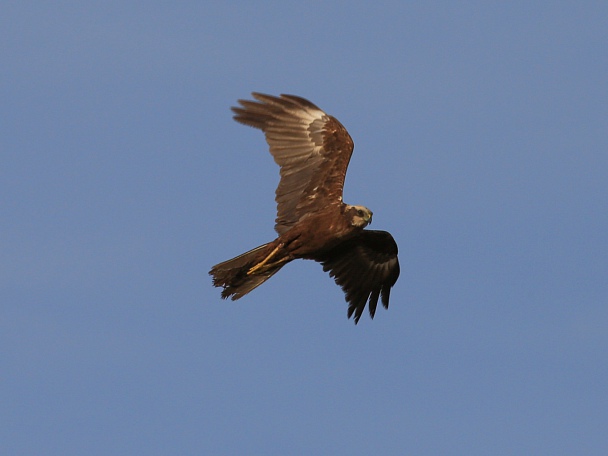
{"x": 312, "y": 148}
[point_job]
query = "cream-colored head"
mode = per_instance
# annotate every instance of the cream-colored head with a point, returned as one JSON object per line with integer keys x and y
{"x": 360, "y": 216}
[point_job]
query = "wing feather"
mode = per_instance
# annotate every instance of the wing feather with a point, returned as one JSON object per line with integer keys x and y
{"x": 365, "y": 267}
{"x": 312, "y": 148}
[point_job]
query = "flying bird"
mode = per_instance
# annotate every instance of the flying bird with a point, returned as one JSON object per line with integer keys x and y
{"x": 313, "y": 150}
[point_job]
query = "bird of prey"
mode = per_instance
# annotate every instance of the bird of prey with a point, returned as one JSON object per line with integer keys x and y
{"x": 312, "y": 150}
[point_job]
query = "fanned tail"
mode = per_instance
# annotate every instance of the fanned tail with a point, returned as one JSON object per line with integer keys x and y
{"x": 245, "y": 272}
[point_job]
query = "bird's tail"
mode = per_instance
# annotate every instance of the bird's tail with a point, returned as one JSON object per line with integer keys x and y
{"x": 245, "y": 272}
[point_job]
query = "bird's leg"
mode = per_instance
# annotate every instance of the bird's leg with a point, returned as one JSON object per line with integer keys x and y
{"x": 265, "y": 260}
{"x": 267, "y": 266}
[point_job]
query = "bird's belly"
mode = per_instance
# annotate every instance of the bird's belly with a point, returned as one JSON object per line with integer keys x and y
{"x": 309, "y": 241}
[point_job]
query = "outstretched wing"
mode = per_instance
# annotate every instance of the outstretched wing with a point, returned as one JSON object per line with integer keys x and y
{"x": 311, "y": 147}
{"x": 366, "y": 267}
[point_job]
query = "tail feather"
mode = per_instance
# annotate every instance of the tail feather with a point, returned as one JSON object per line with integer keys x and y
{"x": 233, "y": 275}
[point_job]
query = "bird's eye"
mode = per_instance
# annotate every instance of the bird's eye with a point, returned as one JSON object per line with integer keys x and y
{"x": 359, "y": 212}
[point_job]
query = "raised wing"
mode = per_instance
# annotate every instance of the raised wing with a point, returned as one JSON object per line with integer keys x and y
{"x": 366, "y": 267}
{"x": 311, "y": 147}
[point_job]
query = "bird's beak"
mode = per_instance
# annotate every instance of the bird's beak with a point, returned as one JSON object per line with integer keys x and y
{"x": 369, "y": 219}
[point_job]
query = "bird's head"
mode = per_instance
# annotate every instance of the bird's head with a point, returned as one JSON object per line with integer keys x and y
{"x": 359, "y": 216}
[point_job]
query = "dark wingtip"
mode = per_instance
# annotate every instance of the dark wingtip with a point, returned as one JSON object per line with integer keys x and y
{"x": 386, "y": 294}
{"x": 351, "y": 311}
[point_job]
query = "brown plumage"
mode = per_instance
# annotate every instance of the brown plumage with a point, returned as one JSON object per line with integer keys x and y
{"x": 313, "y": 150}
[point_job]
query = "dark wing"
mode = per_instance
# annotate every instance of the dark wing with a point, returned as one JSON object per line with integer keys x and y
{"x": 366, "y": 267}
{"x": 312, "y": 148}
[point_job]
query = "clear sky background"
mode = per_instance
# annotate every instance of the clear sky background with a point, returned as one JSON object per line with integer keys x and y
{"x": 481, "y": 133}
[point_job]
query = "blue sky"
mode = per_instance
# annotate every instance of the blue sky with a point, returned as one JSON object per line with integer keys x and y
{"x": 481, "y": 144}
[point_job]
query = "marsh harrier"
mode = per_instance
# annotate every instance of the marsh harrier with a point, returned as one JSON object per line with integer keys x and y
{"x": 313, "y": 150}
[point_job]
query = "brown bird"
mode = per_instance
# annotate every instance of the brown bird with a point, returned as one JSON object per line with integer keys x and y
{"x": 313, "y": 150}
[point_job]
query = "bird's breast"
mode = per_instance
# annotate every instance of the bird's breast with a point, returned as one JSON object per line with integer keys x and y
{"x": 316, "y": 234}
